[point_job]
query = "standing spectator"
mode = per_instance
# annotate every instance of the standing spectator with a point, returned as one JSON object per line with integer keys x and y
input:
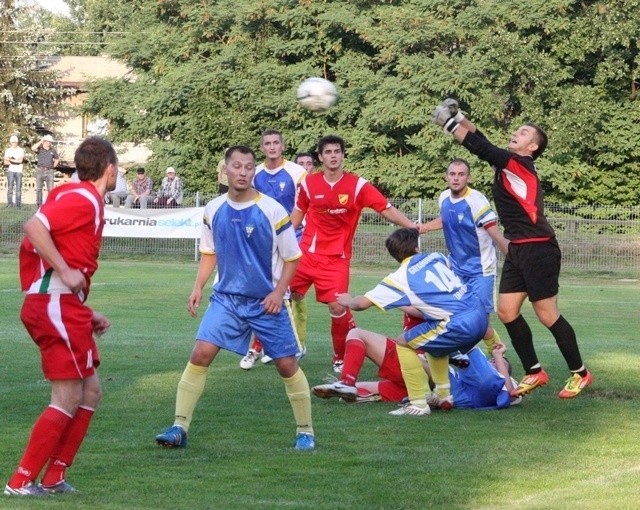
{"x": 249, "y": 237}
{"x": 470, "y": 230}
{"x": 306, "y": 161}
{"x": 223, "y": 182}
{"x": 331, "y": 202}
{"x": 170, "y": 192}
{"x": 13, "y": 159}
{"x": 140, "y": 191}
{"x": 58, "y": 257}
{"x": 119, "y": 194}
{"x": 47, "y": 161}
{"x": 532, "y": 265}
{"x": 280, "y": 179}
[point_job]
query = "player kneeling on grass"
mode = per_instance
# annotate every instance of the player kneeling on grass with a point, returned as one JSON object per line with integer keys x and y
{"x": 57, "y": 260}
{"x": 454, "y": 318}
{"x": 250, "y": 238}
{"x": 532, "y": 265}
{"x": 481, "y": 384}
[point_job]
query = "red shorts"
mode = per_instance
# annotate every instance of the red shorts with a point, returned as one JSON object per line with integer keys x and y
{"x": 61, "y": 327}
{"x": 391, "y": 386}
{"x": 329, "y": 276}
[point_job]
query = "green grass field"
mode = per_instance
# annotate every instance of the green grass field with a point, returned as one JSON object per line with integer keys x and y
{"x": 543, "y": 454}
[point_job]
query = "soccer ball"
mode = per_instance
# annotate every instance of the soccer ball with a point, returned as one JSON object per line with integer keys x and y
{"x": 317, "y": 94}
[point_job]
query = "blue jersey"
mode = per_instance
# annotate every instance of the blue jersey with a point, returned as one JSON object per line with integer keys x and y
{"x": 427, "y": 282}
{"x": 281, "y": 184}
{"x": 464, "y": 220}
{"x": 251, "y": 240}
{"x": 480, "y": 385}
{"x": 454, "y": 318}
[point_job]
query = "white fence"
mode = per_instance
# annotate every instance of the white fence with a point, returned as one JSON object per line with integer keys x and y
{"x": 596, "y": 239}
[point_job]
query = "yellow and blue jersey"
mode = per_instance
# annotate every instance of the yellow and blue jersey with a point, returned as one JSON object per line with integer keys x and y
{"x": 427, "y": 282}
{"x": 251, "y": 240}
{"x": 280, "y": 184}
{"x": 454, "y": 318}
{"x": 464, "y": 219}
{"x": 478, "y": 386}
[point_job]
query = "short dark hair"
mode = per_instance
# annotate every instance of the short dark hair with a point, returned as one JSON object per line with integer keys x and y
{"x": 304, "y": 155}
{"x": 542, "y": 139}
{"x": 92, "y": 158}
{"x": 140, "y": 170}
{"x": 242, "y": 149}
{"x": 329, "y": 140}
{"x": 268, "y": 132}
{"x": 460, "y": 161}
{"x": 402, "y": 243}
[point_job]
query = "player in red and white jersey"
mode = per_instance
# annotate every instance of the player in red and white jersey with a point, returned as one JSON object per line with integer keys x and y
{"x": 331, "y": 202}
{"x": 57, "y": 259}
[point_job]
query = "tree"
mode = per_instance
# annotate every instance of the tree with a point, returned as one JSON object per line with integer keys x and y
{"x": 29, "y": 93}
{"x": 212, "y": 73}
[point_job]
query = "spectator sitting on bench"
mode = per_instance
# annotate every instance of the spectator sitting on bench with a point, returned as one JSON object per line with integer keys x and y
{"x": 170, "y": 192}
{"x": 140, "y": 191}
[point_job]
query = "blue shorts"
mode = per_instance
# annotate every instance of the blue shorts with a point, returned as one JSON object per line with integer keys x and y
{"x": 439, "y": 338}
{"x": 483, "y": 287}
{"x": 230, "y": 319}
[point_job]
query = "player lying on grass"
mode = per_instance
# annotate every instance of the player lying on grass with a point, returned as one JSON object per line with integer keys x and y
{"x": 532, "y": 266}
{"x": 481, "y": 384}
{"x": 454, "y": 318}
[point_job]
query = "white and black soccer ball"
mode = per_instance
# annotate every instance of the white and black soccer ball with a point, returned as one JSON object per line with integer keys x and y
{"x": 317, "y": 94}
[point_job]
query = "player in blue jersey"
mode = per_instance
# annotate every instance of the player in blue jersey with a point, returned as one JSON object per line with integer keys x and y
{"x": 471, "y": 233}
{"x": 481, "y": 384}
{"x": 250, "y": 238}
{"x": 279, "y": 179}
{"x": 454, "y": 318}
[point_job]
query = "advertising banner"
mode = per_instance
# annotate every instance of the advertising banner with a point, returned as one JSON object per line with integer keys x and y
{"x": 180, "y": 223}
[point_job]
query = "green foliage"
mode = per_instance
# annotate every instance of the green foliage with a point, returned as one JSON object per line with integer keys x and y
{"x": 214, "y": 73}
{"x": 28, "y": 93}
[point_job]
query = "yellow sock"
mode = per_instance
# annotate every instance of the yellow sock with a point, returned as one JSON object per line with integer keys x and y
{"x": 415, "y": 378}
{"x": 297, "y": 389}
{"x": 491, "y": 342}
{"x": 300, "y": 320}
{"x": 440, "y": 374}
{"x": 190, "y": 388}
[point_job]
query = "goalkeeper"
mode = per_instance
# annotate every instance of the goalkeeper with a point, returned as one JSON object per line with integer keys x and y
{"x": 532, "y": 265}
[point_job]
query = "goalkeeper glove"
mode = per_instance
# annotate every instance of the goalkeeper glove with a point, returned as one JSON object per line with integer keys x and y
{"x": 447, "y": 115}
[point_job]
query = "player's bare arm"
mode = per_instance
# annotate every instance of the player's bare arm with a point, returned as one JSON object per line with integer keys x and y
{"x": 501, "y": 365}
{"x": 207, "y": 264}
{"x": 296, "y": 218}
{"x": 41, "y": 239}
{"x": 394, "y": 216}
{"x": 411, "y": 310}
{"x": 273, "y": 302}
{"x": 434, "y": 224}
{"x": 357, "y": 303}
{"x": 501, "y": 242}
{"x": 100, "y": 323}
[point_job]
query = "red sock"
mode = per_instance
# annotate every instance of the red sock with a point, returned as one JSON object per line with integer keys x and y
{"x": 69, "y": 444}
{"x": 354, "y": 354}
{"x": 340, "y": 326}
{"x": 257, "y": 344}
{"x": 44, "y": 438}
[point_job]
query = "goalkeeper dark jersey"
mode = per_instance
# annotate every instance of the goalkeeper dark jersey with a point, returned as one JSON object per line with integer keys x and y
{"x": 517, "y": 191}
